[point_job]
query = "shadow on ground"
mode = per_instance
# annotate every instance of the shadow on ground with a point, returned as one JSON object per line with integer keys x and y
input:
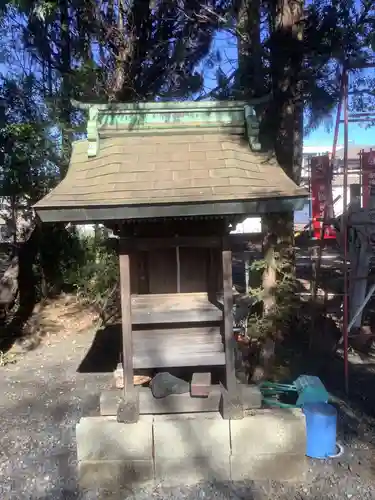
{"x": 217, "y": 490}
{"x": 104, "y": 353}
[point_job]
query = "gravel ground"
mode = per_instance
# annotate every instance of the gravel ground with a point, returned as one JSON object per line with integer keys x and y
{"x": 42, "y": 397}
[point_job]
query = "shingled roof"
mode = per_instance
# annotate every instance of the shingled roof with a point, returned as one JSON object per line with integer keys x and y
{"x": 162, "y": 172}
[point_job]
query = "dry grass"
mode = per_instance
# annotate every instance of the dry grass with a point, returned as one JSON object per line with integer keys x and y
{"x": 62, "y": 317}
{"x": 8, "y": 358}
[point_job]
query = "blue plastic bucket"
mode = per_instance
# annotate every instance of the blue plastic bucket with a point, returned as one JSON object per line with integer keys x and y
{"x": 321, "y": 430}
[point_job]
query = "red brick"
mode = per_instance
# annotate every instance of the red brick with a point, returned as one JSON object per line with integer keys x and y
{"x": 157, "y": 175}
{"x": 200, "y": 384}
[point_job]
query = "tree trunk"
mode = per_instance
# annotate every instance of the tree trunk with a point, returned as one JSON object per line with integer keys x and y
{"x": 66, "y": 85}
{"x": 123, "y": 54}
{"x": 283, "y": 124}
{"x": 133, "y": 25}
{"x": 13, "y": 216}
{"x": 286, "y": 118}
{"x": 280, "y": 131}
{"x": 269, "y": 278}
{"x": 250, "y": 80}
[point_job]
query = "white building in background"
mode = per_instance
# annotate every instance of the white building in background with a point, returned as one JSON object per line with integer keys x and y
{"x": 249, "y": 225}
{"x": 302, "y": 217}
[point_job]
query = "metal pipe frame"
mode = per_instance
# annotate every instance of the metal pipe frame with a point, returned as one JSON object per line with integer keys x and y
{"x": 345, "y": 230}
{"x": 353, "y": 118}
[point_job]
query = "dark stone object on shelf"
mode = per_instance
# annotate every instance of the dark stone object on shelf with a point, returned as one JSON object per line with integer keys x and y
{"x": 164, "y": 384}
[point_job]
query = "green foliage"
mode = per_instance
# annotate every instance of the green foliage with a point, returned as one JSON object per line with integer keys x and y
{"x": 286, "y": 300}
{"x": 136, "y": 52}
{"x": 72, "y": 262}
{"x": 29, "y": 159}
{"x": 60, "y": 250}
{"x": 94, "y": 274}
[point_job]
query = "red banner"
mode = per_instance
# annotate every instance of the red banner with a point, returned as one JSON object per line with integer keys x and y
{"x": 368, "y": 176}
{"x": 321, "y": 193}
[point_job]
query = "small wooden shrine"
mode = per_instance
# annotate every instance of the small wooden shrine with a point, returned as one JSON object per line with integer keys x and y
{"x": 169, "y": 179}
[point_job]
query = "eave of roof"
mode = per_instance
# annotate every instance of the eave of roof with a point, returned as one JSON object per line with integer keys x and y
{"x": 96, "y": 214}
{"x": 169, "y": 164}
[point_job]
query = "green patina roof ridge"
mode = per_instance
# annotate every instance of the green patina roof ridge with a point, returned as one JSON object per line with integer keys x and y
{"x": 169, "y": 118}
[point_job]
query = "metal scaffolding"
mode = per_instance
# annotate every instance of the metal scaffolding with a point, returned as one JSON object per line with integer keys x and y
{"x": 343, "y": 109}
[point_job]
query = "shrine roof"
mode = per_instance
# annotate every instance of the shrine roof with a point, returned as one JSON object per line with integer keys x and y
{"x": 202, "y": 165}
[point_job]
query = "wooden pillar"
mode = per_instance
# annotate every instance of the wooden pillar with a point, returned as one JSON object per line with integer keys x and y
{"x": 128, "y": 411}
{"x": 231, "y": 406}
{"x": 212, "y": 274}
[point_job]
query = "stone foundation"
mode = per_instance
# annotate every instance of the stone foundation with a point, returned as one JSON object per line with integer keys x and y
{"x": 180, "y": 449}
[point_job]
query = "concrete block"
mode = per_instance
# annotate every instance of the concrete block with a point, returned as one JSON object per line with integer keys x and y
{"x": 269, "y": 432}
{"x": 197, "y": 436}
{"x": 103, "y": 438}
{"x": 251, "y": 396}
{"x": 114, "y": 476}
{"x": 192, "y": 470}
{"x": 191, "y": 448}
{"x": 269, "y": 466}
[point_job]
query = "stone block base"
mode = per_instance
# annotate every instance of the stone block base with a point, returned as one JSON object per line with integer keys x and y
{"x": 104, "y": 438}
{"x": 192, "y": 470}
{"x": 191, "y": 448}
{"x": 276, "y": 431}
{"x": 190, "y": 436}
{"x": 114, "y": 475}
{"x": 182, "y": 449}
{"x": 269, "y": 444}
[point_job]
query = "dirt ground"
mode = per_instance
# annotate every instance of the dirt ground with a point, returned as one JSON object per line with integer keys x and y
{"x": 44, "y": 394}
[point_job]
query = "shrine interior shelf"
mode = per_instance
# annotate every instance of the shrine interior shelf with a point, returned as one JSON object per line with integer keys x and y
{"x": 183, "y": 329}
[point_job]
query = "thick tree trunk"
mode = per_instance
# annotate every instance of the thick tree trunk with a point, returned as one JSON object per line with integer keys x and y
{"x": 133, "y": 25}
{"x": 282, "y": 120}
{"x": 251, "y": 82}
{"x": 66, "y": 84}
{"x": 283, "y": 124}
{"x": 123, "y": 54}
{"x": 281, "y": 132}
{"x": 286, "y": 63}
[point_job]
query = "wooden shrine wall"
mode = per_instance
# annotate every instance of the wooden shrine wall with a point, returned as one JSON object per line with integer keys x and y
{"x": 156, "y": 271}
{"x": 162, "y": 271}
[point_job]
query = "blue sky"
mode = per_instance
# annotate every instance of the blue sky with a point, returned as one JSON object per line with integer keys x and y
{"x": 357, "y": 135}
{"x": 226, "y": 44}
